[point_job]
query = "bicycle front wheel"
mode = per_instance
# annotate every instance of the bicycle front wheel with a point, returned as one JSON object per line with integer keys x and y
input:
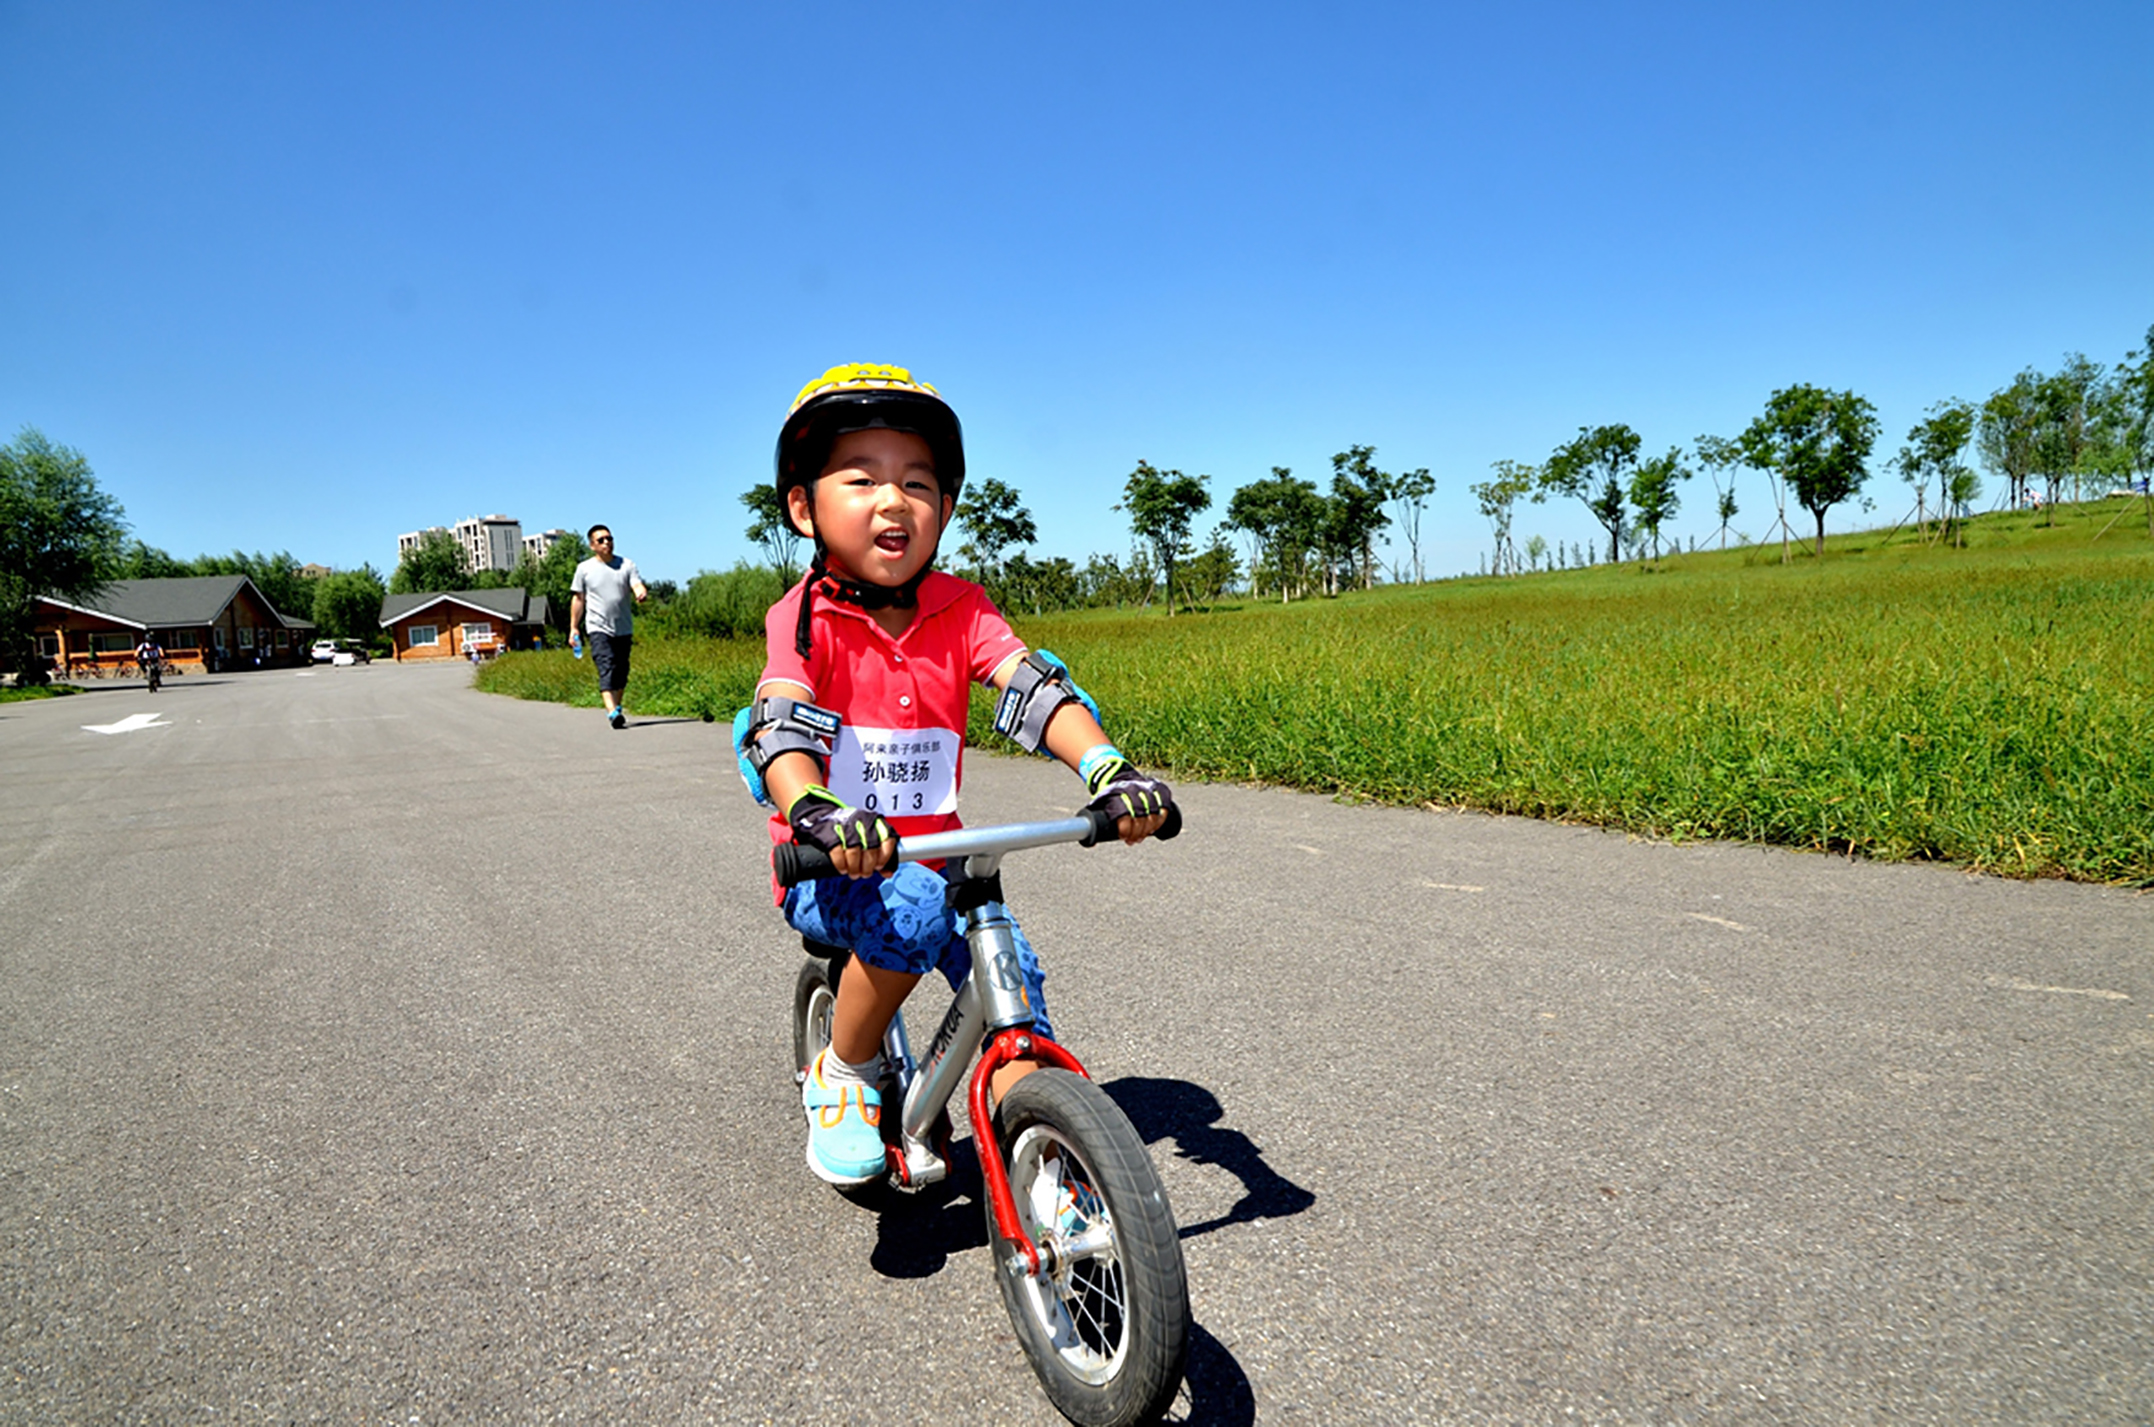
{"x": 1108, "y": 1332}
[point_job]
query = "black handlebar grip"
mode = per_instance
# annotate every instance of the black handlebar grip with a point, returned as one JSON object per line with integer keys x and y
{"x": 1103, "y": 826}
{"x": 796, "y": 863}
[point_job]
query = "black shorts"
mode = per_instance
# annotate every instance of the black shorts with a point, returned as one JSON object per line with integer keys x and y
{"x": 609, "y": 655}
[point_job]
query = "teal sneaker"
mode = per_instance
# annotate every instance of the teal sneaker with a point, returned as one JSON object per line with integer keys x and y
{"x": 1063, "y": 1205}
{"x": 845, "y": 1138}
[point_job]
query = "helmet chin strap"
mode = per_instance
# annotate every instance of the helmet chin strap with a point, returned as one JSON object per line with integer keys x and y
{"x": 853, "y": 592}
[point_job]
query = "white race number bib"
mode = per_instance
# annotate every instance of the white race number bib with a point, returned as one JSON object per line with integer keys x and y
{"x": 898, "y": 772}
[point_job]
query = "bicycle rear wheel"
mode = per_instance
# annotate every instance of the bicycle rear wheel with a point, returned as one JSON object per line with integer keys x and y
{"x": 1108, "y": 1333}
{"x": 815, "y": 999}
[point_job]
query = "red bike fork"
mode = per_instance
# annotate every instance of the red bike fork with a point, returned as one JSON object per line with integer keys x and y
{"x": 1014, "y": 1043}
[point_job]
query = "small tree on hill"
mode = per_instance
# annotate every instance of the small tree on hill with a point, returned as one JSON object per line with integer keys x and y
{"x": 1653, "y": 493}
{"x": 772, "y": 530}
{"x": 1358, "y": 493}
{"x": 994, "y": 519}
{"x": 1410, "y": 494}
{"x": 1592, "y": 468}
{"x": 1720, "y": 456}
{"x": 1816, "y": 440}
{"x": 2009, "y": 435}
{"x": 2128, "y": 421}
{"x": 1497, "y": 497}
{"x": 1285, "y": 516}
{"x": 2065, "y": 448}
{"x": 1933, "y": 451}
{"x": 1213, "y": 572}
{"x": 1161, "y": 506}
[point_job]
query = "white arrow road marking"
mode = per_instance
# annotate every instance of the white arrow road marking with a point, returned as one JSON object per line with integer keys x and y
{"x": 133, "y": 723}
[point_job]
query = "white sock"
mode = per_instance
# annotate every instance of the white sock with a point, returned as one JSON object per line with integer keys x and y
{"x": 842, "y": 1072}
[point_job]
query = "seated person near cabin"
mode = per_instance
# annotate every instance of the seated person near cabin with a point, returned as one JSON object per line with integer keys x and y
{"x": 858, "y": 725}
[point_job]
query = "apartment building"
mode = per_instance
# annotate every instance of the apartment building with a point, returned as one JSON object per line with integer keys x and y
{"x": 491, "y": 542}
{"x": 538, "y": 544}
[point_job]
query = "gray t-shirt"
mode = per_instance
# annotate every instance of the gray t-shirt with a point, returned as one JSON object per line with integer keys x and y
{"x": 609, "y": 602}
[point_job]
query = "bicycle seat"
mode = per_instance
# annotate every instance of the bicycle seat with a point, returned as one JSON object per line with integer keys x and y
{"x": 820, "y": 950}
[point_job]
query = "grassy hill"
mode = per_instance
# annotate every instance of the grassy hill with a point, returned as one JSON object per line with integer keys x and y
{"x": 1991, "y": 706}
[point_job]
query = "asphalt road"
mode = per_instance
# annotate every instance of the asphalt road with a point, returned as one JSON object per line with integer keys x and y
{"x": 373, "y": 1050}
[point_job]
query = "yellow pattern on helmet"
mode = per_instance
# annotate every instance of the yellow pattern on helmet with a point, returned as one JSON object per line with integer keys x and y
{"x": 859, "y": 395}
{"x": 861, "y": 376}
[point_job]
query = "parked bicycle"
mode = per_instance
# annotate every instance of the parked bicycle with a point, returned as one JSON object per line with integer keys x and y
{"x": 1084, "y": 1245}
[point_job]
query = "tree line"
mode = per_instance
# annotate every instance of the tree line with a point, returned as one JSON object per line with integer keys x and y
{"x": 343, "y": 603}
{"x": 1302, "y": 540}
{"x": 2083, "y": 427}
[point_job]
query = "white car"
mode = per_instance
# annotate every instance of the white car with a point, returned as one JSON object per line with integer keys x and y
{"x": 338, "y": 652}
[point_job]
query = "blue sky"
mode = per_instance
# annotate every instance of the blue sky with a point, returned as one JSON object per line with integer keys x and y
{"x": 305, "y": 277}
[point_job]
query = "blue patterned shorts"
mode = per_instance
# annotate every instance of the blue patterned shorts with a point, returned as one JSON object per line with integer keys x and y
{"x": 898, "y": 922}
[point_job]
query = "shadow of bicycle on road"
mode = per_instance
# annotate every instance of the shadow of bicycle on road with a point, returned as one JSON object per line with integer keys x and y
{"x": 918, "y": 1234}
{"x": 1189, "y": 1114}
{"x": 1215, "y": 1391}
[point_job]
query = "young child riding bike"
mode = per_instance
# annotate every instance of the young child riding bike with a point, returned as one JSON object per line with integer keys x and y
{"x": 858, "y": 727}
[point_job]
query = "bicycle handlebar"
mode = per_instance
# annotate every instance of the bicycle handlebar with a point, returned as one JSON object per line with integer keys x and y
{"x": 795, "y": 863}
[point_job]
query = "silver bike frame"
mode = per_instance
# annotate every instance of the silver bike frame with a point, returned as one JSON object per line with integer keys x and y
{"x": 991, "y": 998}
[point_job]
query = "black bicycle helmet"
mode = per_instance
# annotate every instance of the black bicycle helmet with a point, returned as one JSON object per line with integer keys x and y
{"x": 862, "y": 396}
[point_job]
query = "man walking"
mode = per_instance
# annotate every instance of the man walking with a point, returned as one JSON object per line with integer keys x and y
{"x": 600, "y": 605}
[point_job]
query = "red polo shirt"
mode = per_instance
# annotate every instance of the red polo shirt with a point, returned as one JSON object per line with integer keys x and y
{"x": 904, "y": 697}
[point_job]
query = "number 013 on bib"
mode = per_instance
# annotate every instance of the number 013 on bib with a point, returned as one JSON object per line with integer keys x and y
{"x": 899, "y": 772}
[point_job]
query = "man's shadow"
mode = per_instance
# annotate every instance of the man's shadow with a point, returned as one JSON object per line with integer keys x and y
{"x": 1189, "y": 1114}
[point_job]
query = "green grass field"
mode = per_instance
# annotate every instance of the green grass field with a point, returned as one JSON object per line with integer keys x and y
{"x": 1990, "y": 706}
{"x": 45, "y": 691}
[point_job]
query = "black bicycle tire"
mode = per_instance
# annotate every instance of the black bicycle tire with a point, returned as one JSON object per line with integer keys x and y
{"x": 815, "y": 973}
{"x": 1147, "y": 1246}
